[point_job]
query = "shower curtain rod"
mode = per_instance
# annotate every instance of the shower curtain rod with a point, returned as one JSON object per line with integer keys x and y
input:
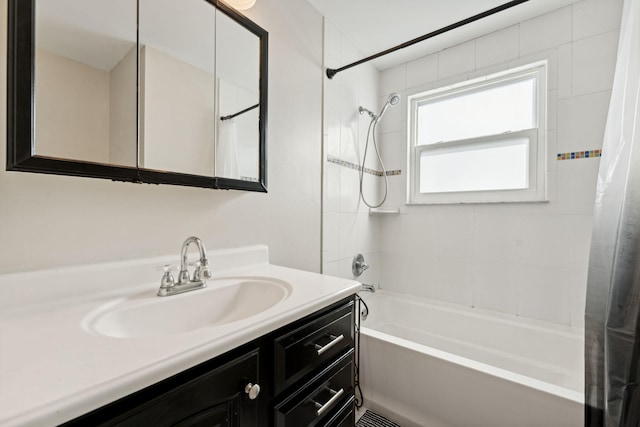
{"x": 333, "y": 71}
{"x": 246, "y": 110}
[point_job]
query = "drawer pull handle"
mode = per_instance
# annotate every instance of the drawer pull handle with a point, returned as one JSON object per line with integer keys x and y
{"x": 322, "y": 408}
{"x": 334, "y": 340}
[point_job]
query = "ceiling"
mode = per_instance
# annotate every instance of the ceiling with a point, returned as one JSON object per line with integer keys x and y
{"x": 376, "y": 25}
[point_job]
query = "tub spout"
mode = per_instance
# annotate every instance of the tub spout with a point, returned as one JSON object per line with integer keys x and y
{"x": 370, "y": 288}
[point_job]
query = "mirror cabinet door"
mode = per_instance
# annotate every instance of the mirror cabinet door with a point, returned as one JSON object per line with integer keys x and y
{"x": 238, "y": 82}
{"x": 157, "y": 91}
{"x": 85, "y": 73}
{"x": 177, "y": 86}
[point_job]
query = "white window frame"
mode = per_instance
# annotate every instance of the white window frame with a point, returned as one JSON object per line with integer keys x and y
{"x": 537, "y": 168}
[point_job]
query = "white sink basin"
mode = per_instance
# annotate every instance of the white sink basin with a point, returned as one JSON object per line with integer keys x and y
{"x": 223, "y": 301}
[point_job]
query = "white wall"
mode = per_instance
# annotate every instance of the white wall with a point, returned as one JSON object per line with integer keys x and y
{"x": 123, "y": 84}
{"x": 73, "y": 108}
{"x": 524, "y": 259}
{"x": 347, "y": 227}
{"x": 48, "y": 220}
{"x": 177, "y": 104}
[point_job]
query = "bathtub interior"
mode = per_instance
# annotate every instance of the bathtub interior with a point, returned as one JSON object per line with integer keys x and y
{"x": 546, "y": 356}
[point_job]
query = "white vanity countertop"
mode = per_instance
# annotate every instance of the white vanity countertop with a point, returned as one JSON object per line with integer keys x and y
{"x": 53, "y": 369}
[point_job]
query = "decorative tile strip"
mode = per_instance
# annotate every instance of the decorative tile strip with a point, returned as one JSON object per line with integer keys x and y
{"x": 579, "y": 155}
{"x": 354, "y": 166}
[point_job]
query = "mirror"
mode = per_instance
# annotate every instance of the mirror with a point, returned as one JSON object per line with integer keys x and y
{"x": 237, "y": 77}
{"x": 177, "y": 86}
{"x": 157, "y": 91}
{"x": 85, "y": 81}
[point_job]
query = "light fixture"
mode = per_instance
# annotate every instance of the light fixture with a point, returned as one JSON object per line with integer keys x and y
{"x": 241, "y": 4}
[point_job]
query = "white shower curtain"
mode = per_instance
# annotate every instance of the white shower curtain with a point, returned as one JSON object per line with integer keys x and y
{"x": 227, "y": 152}
{"x": 612, "y": 319}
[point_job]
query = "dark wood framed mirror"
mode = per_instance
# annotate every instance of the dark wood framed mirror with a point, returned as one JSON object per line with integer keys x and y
{"x": 151, "y": 91}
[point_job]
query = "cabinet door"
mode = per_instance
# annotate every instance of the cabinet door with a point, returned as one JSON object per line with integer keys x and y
{"x": 214, "y": 398}
{"x": 221, "y": 415}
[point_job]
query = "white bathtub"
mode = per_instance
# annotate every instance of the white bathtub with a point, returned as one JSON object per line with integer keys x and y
{"x": 431, "y": 364}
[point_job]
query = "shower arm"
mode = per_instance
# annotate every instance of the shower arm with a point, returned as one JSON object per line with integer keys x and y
{"x": 333, "y": 71}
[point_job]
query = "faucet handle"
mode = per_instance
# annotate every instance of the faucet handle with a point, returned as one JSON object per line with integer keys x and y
{"x": 202, "y": 271}
{"x": 167, "y": 280}
{"x": 168, "y": 268}
{"x": 205, "y": 270}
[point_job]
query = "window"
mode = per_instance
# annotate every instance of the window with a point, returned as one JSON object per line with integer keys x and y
{"x": 481, "y": 140}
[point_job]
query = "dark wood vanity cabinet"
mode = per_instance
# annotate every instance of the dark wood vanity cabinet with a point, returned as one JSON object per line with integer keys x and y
{"x": 304, "y": 371}
{"x": 215, "y": 393}
{"x": 314, "y": 370}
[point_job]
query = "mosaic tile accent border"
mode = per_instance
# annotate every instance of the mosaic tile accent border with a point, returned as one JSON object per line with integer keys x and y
{"x": 354, "y": 166}
{"x": 579, "y": 155}
{"x": 574, "y": 155}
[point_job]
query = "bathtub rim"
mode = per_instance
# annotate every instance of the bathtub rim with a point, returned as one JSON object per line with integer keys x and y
{"x": 478, "y": 312}
{"x": 543, "y": 386}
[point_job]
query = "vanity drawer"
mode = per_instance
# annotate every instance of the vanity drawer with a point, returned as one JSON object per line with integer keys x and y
{"x": 307, "y": 348}
{"x": 346, "y": 416}
{"x": 324, "y": 401}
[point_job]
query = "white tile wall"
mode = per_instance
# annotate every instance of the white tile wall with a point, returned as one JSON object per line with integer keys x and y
{"x": 349, "y": 190}
{"x": 490, "y": 246}
{"x": 347, "y": 227}
{"x": 332, "y": 131}
{"x": 546, "y": 31}
{"x": 544, "y": 293}
{"x": 498, "y": 47}
{"x": 457, "y": 60}
{"x": 552, "y": 151}
{"x": 552, "y": 109}
{"x": 524, "y": 259}
{"x": 576, "y": 188}
{"x": 454, "y": 279}
{"x": 594, "y": 63}
{"x": 422, "y": 70}
{"x": 330, "y": 233}
{"x": 495, "y": 285}
{"x": 331, "y": 187}
{"x": 582, "y": 120}
{"x": 580, "y": 259}
{"x": 393, "y": 78}
{"x": 592, "y": 17}
{"x": 565, "y": 70}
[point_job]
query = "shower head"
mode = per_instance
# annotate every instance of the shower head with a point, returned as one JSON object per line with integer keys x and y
{"x": 393, "y": 99}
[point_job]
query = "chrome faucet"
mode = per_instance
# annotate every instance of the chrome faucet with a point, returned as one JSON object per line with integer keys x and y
{"x": 186, "y": 283}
